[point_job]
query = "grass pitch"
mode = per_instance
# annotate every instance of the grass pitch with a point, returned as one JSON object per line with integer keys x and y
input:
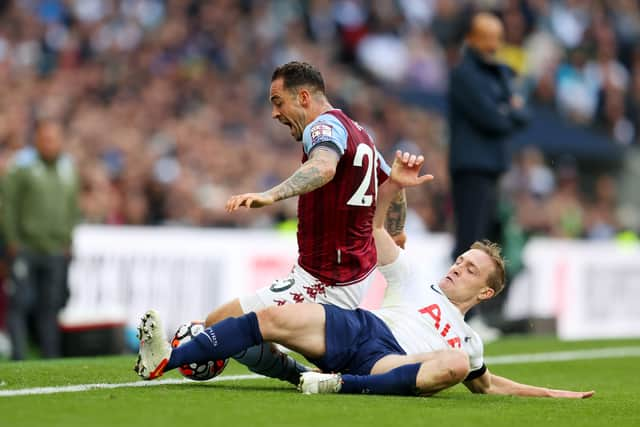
{"x": 264, "y": 402}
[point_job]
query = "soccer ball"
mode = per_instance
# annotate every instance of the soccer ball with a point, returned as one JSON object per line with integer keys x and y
{"x": 196, "y": 371}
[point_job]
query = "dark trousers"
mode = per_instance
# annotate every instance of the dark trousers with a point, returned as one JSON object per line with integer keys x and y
{"x": 37, "y": 288}
{"x": 475, "y": 203}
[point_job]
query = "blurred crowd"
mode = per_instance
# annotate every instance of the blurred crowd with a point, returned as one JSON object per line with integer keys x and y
{"x": 166, "y": 113}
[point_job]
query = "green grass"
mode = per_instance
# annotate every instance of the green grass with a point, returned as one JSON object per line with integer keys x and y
{"x": 263, "y": 402}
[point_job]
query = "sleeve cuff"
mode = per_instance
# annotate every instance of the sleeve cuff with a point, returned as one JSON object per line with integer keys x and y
{"x": 477, "y": 373}
{"x": 328, "y": 144}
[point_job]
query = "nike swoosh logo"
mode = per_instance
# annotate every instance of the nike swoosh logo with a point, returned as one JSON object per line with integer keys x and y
{"x": 436, "y": 289}
{"x": 280, "y": 285}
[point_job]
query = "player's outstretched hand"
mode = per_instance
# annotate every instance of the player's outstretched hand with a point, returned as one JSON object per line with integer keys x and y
{"x": 406, "y": 169}
{"x": 566, "y": 394}
{"x": 248, "y": 200}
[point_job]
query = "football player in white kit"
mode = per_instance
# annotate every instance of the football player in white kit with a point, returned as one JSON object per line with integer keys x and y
{"x": 416, "y": 343}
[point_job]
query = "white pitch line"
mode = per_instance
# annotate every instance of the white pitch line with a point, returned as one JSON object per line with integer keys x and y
{"x": 561, "y": 356}
{"x": 88, "y": 387}
{"x": 557, "y": 356}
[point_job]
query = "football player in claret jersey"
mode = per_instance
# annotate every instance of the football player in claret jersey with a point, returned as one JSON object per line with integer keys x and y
{"x": 337, "y": 185}
{"x": 417, "y": 343}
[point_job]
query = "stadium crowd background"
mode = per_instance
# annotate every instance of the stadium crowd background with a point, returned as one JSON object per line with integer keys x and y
{"x": 166, "y": 110}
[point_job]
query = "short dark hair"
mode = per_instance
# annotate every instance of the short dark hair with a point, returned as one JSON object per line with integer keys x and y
{"x": 295, "y": 74}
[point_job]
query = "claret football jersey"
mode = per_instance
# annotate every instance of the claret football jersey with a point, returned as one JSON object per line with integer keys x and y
{"x": 335, "y": 221}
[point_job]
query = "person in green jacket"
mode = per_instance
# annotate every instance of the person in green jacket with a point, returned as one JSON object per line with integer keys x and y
{"x": 40, "y": 209}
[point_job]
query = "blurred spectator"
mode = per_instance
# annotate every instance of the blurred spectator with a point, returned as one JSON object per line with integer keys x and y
{"x": 565, "y": 206}
{"x": 39, "y": 212}
{"x": 529, "y": 174}
{"x": 576, "y": 89}
{"x": 4, "y": 274}
{"x": 448, "y": 22}
{"x": 512, "y": 51}
{"x": 526, "y": 190}
{"x": 601, "y": 220}
{"x": 569, "y": 20}
{"x": 426, "y": 64}
{"x": 484, "y": 112}
{"x": 605, "y": 69}
{"x": 613, "y": 116}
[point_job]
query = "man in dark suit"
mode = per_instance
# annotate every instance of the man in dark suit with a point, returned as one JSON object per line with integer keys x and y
{"x": 484, "y": 112}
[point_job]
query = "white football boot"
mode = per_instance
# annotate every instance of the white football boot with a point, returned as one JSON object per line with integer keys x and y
{"x": 318, "y": 383}
{"x": 155, "y": 350}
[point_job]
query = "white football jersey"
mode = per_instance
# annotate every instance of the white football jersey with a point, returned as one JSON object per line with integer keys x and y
{"x": 421, "y": 317}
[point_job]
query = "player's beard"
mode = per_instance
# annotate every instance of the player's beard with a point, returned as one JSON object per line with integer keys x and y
{"x": 296, "y": 132}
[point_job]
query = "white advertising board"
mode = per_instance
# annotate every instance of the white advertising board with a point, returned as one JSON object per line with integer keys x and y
{"x": 592, "y": 289}
{"x": 119, "y": 272}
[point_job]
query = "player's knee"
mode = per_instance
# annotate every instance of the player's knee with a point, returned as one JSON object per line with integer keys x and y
{"x": 457, "y": 366}
{"x": 446, "y": 369}
{"x": 230, "y": 309}
{"x": 271, "y": 322}
{"x": 212, "y": 319}
{"x": 453, "y": 367}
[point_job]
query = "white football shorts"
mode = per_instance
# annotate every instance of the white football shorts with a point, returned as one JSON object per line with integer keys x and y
{"x": 300, "y": 286}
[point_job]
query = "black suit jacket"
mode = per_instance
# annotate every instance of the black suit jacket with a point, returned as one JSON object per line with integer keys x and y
{"x": 481, "y": 117}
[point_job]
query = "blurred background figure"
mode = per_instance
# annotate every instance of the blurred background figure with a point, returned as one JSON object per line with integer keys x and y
{"x": 484, "y": 113}
{"x": 40, "y": 209}
{"x": 5, "y": 343}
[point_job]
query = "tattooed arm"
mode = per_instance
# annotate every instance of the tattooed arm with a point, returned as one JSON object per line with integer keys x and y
{"x": 318, "y": 170}
{"x": 396, "y": 217}
{"x": 405, "y": 172}
{"x": 386, "y": 247}
{"x": 314, "y": 173}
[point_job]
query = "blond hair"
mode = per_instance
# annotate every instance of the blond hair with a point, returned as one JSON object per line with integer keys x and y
{"x": 496, "y": 279}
